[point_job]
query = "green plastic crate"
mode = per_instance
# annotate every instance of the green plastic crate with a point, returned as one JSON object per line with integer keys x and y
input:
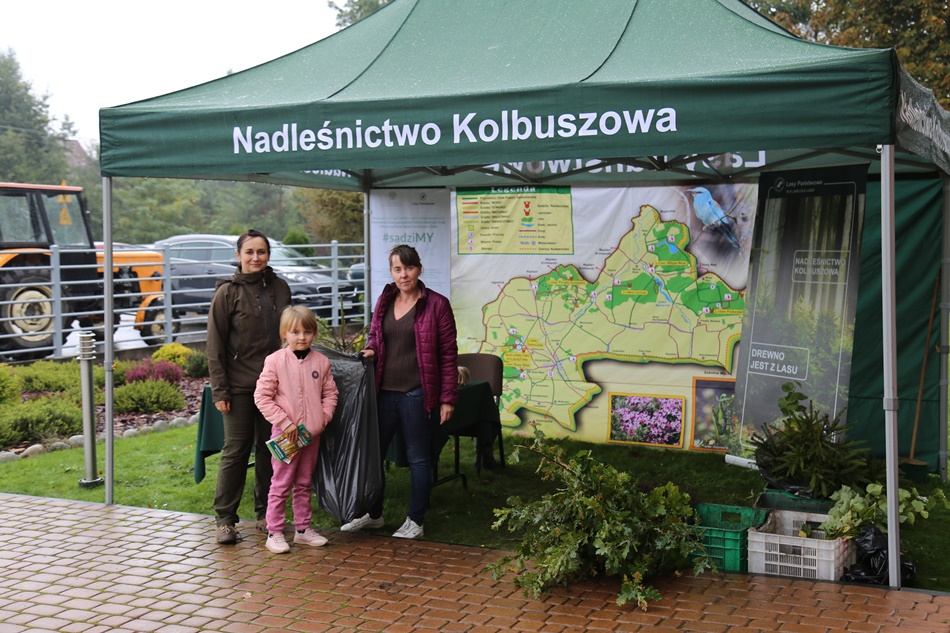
{"x": 725, "y": 533}
{"x": 782, "y": 500}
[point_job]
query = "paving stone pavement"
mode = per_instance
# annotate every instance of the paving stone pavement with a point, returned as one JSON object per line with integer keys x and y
{"x": 77, "y": 567}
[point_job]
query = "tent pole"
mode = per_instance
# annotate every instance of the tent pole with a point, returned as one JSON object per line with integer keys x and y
{"x": 944, "y": 324}
{"x": 367, "y": 270}
{"x": 888, "y": 300}
{"x": 109, "y": 304}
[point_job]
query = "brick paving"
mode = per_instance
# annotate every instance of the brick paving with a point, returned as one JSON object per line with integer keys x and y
{"x": 76, "y": 567}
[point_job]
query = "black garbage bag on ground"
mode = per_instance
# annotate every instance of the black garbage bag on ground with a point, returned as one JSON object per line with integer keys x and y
{"x": 872, "y": 565}
{"x": 349, "y": 474}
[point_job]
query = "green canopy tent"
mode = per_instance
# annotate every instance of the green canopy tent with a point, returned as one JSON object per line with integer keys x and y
{"x": 427, "y": 93}
{"x": 445, "y": 93}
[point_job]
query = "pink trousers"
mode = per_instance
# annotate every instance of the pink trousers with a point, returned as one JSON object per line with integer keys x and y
{"x": 296, "y": 479}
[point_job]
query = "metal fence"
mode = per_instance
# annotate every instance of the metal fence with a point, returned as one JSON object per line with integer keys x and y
{"x": 160, "y": 294}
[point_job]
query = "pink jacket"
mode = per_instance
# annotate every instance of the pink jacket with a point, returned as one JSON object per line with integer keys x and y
{"x": 291, "y": 392}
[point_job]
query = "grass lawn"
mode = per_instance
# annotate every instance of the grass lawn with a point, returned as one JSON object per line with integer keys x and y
{"x": 156, "y": 471}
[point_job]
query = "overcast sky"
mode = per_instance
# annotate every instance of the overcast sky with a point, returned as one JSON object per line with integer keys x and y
{"x": 90, "y": 54}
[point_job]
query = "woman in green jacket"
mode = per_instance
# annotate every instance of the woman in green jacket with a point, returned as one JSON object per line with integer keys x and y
{"x": 243, "y": 328}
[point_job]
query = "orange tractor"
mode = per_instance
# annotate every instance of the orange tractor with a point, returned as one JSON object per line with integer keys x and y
{"x": 48, "y": 260}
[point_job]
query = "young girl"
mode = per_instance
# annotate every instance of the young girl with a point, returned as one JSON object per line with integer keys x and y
{"x": 295, "y": 387}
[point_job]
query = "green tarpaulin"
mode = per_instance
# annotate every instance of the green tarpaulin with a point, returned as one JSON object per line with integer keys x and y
{"x": 918, "y": 260}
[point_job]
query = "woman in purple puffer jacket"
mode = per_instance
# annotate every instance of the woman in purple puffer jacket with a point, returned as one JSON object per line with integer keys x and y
{"x": 413, "y": 338}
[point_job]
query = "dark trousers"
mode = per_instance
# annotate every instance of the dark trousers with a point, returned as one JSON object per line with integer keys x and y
{"x": 406, "y": 412}
{"x": 244, "y": 428}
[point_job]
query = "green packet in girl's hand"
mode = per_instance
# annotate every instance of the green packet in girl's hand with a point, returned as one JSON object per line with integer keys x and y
{"x": 283, "y": 449}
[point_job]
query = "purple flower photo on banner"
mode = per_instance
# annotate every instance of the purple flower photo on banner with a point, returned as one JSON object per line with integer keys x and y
{"x": 643, "y": 419}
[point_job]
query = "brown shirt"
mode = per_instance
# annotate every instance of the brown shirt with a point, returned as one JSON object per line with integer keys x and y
{"x": 401, "y": 372}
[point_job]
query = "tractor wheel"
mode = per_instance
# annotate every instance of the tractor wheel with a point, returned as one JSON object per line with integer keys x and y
{"x": 27, "y": 314}
{"x": 155, "y": 332}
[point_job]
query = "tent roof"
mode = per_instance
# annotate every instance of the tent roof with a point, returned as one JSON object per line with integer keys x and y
{"x": 430, "y": 92}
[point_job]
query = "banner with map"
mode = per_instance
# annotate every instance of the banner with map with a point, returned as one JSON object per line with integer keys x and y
{"x": 617, "y": 311}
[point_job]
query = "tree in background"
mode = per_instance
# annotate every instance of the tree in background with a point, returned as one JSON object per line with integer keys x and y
{"x": 919, "y": 30}
{"x": 84, "y": 172}
{"x": 150, "y": 209}
{"x": 354, "y": 10}
{"x": 146, "y": 209}
{"x": 329, "y": 215}
{"x": 793, "y": 15}
{"x": 296, "y": 236}
{"x": 232, "y": 207}
{"x": 31, "y": 149}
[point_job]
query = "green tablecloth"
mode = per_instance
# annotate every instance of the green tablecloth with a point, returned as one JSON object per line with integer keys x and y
{"x": 210, "y": 438}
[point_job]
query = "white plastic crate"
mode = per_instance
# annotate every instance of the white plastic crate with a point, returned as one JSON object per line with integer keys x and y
{"x": 775, "y": 548}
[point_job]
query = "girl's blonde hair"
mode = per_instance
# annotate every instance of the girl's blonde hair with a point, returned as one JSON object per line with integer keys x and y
{"x": 296, "y": 315}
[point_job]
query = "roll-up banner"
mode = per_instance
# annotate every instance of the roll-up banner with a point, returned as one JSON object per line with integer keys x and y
{"x": 803, "y": 287}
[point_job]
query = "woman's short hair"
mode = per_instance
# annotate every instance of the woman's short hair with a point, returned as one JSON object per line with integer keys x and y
{"x": 297, "y": 315}
{"x": 251, "y": 233}
{"x": 408, "y": 255}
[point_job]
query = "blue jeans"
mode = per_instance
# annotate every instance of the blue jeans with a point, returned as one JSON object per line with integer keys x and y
{"x": 406, "y": 412}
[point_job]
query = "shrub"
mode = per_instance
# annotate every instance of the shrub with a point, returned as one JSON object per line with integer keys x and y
{"x": 341, "y": 338}
{"x": 173, "y": 352}
{"x": 597, "y": 523}
{"x": 74, "y": 395}
{"x": 808, "y": 450}
{"x": 8, "y": 435}
{"x": 98, "y": 376}
{"x": 297, "y": 236}
{"x": 10, "y": 385}
{"x": 118, "y": 374}
{"x": 149, "y": 369}
{"x": 119, "y": 369}
{"x": 854, "y": 510}
{"x": 39, "y": 419}
{"x": 197, "y": 365}
{"x": 47, "y": 375}
{"x": 148, "y": 396}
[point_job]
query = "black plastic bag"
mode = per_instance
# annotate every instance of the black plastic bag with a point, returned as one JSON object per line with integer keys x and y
{"x": 872, "y": 564}
{"x": 349, "y": 474}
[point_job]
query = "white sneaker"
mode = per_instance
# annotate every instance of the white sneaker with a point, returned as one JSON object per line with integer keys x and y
{"x": 277, "y": 544}
{"x": 310, "y": 537}
{"x": 409, "y": 529}
{"x": 363, "y": 522}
